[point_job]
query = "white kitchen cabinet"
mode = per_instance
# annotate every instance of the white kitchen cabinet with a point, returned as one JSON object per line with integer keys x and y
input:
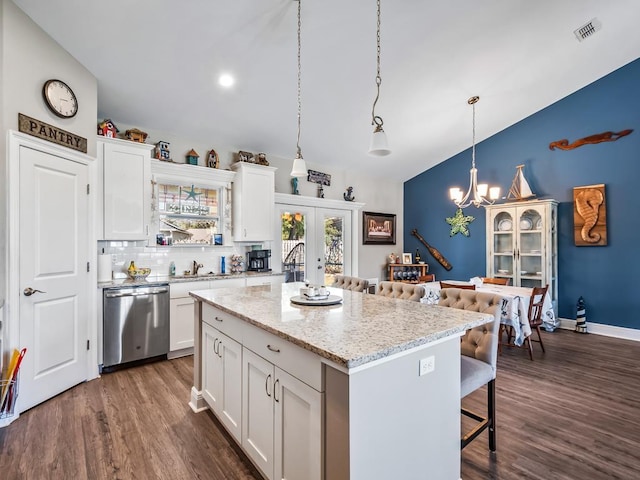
{"x": 280, "y": 395}
{"x": 265, "y": 280}
{"x": 222, "y": 378}
{"x": 126, "y": 189}
{"x": 181, "y": 326}
{"x": 253, "y": 202}
{"x": 282, "y": 416}
{"x": 522, "y": 243}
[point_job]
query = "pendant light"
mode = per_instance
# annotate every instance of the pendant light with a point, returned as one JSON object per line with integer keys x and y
{"x": 299, "y": 168}
{"x": 477, "y": 193}
{"x": 378, "y": 146}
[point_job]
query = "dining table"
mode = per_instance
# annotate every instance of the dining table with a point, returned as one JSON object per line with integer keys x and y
{"x": 514, "y": 309}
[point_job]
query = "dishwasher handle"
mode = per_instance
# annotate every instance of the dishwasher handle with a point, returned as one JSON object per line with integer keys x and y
{"x": 156, "y": 291}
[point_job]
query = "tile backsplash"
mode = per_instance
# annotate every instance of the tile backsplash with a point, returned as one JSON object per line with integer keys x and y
{"x": 159, "y": 258}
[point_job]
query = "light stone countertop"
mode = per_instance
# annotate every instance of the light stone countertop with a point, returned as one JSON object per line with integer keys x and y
{"x": 362, "y": 329}
{"x": 156, "y": 279}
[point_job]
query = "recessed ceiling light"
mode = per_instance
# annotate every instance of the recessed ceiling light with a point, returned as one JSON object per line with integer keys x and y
{"x": 226, "y": 80}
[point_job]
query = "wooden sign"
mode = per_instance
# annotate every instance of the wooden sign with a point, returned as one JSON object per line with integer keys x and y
{"x": 589, "y": 216}
{"x": 50, "y": 133}
{"x": 319, "y": 177}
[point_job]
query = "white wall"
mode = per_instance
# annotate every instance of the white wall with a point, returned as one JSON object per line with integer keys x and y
{"x": 28, "y": 58}
{"x": 379, "y": 194}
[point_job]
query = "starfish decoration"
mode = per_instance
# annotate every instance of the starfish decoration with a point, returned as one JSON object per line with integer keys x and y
{"x": 459, "y": 223}
{"x": 192, "y": 194}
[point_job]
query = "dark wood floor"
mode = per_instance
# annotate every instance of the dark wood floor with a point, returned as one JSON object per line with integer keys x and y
{"x": 573, "y": 413}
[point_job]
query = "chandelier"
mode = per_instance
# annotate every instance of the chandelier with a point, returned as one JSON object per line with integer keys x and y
{"x": 378, "y": 145}
{"x": 477, "y": 194}
{"x": 299, "y": 168}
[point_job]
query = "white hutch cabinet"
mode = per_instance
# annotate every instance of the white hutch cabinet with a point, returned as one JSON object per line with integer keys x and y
{"x": 522, "y": 244}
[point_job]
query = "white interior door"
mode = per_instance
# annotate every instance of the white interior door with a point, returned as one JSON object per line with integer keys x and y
{"x": 53, "y": 259}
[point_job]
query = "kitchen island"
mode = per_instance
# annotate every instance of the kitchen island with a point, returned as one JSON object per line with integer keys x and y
{"x": 333, "y": 392}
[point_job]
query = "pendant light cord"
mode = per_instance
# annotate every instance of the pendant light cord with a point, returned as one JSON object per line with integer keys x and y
{"x": 376, "y": 120}
{"x": 472, "y": 101}
{"x": 299, "y": 153}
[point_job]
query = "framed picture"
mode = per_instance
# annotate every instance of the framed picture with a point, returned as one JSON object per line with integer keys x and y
{"x": 378, "y": 228}
{"x": 406, "y": 258}
{"x": 217, "y": 239}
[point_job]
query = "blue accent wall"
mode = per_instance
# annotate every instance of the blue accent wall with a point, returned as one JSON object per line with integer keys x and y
{"x": 606, "y": 276}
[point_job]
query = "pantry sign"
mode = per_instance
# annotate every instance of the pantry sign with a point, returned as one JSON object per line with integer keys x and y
{"x": 50, "y": 133}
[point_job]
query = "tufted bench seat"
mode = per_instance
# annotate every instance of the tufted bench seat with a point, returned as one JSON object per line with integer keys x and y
{"x": 479, "y": 349}
{"x": 404, "y": 291}
{"x": 350, "y": 283}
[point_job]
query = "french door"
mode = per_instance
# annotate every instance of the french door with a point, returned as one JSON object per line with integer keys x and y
{"x": 313, "y": 243}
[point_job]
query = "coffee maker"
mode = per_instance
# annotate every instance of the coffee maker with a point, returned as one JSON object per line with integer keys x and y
{"x": 258, "y": 261}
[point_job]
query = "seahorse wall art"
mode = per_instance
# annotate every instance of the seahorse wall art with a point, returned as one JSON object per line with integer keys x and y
{"x": 589, "y": 216}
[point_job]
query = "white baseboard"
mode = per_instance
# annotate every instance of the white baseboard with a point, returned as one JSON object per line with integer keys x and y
{"x": 602, "y": 329}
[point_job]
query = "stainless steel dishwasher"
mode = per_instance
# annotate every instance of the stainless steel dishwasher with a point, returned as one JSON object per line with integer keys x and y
{"x": 135, "y": 324}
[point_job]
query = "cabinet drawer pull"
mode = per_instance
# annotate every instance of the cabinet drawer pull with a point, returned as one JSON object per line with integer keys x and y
{"x": 273, "y": 349}
{"x": 218, "y": 318}
{"x": 275, "y": 390}
{"x": 266, "y": 385}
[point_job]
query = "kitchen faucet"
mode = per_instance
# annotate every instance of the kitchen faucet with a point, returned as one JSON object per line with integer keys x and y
{"x": 196, "y": 266}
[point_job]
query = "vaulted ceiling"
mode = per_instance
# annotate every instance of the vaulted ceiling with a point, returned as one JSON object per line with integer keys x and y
{"x": 158, "y": 61}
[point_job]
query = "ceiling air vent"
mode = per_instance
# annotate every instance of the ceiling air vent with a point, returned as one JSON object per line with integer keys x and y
{"x": 588, "y": 29}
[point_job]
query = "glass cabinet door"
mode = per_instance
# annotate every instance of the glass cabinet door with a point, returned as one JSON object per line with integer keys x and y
{"x": 530, "y": 244}
{"x": 503, "y": 254}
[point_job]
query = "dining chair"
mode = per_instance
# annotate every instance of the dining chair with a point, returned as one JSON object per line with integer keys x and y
{"x": 495, "y": 281}
{"x": 535, "y": 316}
{"x": 405, "y": 291}
{"x": 429, "y": 277}
{"x": 444, "y": 285}
{"x": 354, "y": 284}
{"x": 479, "y": 352}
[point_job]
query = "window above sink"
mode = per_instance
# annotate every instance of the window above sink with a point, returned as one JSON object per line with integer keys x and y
{"x": 191, "y": 204}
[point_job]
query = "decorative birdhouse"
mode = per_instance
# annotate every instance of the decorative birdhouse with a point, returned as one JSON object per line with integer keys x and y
{"x": 107, "y": 128}
{"x": 192, "y": 157}
{"x": 212, "y": 160}
{"x": 162, "y": 151}
{"x": 135, "y": 135}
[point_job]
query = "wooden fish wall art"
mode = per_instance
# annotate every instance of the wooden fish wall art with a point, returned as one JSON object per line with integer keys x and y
{"x": 597, "y": 138}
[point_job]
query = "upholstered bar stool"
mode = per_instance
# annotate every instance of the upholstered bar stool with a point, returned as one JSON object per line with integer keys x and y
{"x": 479, "y": 349}
{"x": 405, "y": 291}
{"x": 350, "y": 283}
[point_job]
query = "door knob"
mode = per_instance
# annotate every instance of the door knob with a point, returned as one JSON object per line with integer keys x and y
{"x": 30, "y": 291}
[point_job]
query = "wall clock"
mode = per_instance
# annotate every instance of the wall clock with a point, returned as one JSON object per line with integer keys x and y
{"x": 60, "y": 98}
